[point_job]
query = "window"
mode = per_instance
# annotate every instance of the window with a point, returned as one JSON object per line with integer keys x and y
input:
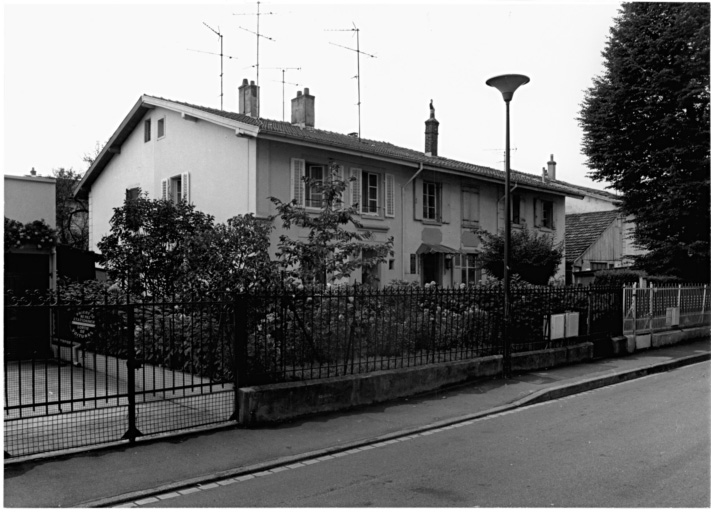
{"x": 430, "y": 200}
{"x": 369, "y": 192}
{"x": 470, "y": 206}
{"x": 161, "y": 127}
{"x": 314, "y": 177}
{"x": 516, "y": 209}
{"x": 176, "y": 188}
{"x": 544, "y": 214}
{"x": 132, "y": 193}
{"x": 146, "y": 130}
{"x": 467, "y": 264}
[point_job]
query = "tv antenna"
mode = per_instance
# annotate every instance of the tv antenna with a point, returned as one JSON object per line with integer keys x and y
{"x": 257, "y": 14}
{"x": 283, "y": 98}
{"x": 358, "y": 52}
{"x": 221, "y": 58}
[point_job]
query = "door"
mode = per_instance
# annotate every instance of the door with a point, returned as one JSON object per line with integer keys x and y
{"x": 430, "y": 269}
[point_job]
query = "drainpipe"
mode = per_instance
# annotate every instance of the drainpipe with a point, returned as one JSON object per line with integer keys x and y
{"x": 402, "y": 221}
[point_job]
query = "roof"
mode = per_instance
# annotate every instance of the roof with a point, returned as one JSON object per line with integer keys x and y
{"x": 281, "y": 130}
{"x": 584, "y": 229}
{"x": 593, "y": 191}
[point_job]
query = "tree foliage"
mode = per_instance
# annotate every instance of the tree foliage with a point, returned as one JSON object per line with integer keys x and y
{"x": 533, "y": 257}
{"x": 646, "y": 131}
{"x": 72, "y": 214}
{"x": 336, "y": 244}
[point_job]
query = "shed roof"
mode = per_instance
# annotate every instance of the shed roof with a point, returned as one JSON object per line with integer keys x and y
{"x": 584, "y": 229}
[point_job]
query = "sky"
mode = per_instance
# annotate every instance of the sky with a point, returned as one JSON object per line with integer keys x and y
{"x": 72, "y": 72}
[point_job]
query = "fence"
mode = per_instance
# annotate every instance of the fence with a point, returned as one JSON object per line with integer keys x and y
{"x": 658, "y": 308}
{"x": 117, "y": 368}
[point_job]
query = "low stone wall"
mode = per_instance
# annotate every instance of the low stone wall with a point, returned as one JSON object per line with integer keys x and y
{"x": 278, "y": 402}
{"x": 630, "y": 343}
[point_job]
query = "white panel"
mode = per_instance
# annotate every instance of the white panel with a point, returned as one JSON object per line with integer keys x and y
{"x": 557, "y": 326}
{"x": 572, "y": 321}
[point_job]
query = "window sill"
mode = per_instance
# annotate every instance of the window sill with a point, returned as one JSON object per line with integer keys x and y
{"x": 431, "y": 222}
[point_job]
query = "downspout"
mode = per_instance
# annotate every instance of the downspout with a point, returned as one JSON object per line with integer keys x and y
{"x": 402, "y": 220}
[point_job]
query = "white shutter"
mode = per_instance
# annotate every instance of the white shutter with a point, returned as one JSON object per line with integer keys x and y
{"x": 537, "y": 213}
{"x": 298, "y": 167}
{"x": 446, "y": 204}
{"x": 185, "y": 186}
{"x": 164, "y": 189}
{"x": 355, "y": 188}
{"x": 417, "y": 200}
{"x": 389, "y": 195}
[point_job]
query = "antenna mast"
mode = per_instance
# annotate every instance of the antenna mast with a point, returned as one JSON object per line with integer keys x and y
{"x": 221, "y": 59}
{"x": 358, "y": 52}
{"x": 257, "y": 14}
{"x": 283, "y": 97}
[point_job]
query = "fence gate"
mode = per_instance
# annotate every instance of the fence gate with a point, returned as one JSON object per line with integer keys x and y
{"x": 117, "y": 371}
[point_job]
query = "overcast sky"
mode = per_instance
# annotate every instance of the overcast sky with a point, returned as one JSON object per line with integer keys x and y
{"x": 73, "y": 72}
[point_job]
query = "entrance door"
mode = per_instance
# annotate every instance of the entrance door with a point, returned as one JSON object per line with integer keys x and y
{"x": 430, "y": 268}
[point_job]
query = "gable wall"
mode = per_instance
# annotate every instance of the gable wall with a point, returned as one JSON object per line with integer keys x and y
{"x": 218, "y": 162}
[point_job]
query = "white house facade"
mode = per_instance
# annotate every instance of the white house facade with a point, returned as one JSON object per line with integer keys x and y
{"x": 228, "y": 163}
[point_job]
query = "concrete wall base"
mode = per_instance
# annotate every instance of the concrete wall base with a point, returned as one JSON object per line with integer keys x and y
{"x": 279, "y": 402}
{"x": 629, "y": 343}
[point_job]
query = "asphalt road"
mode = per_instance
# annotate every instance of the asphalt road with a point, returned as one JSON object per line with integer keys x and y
{"x": 642, "y": 443}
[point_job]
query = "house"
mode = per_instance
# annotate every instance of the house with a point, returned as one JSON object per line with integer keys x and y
{"x": 28, "y": 199}
{"x": 596, "y": 241}
{"x": 230, "y": 163}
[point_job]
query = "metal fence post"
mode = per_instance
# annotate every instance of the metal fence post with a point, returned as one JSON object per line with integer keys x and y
{"x": 131, "y": 366}
{"x": 239, "y": 349}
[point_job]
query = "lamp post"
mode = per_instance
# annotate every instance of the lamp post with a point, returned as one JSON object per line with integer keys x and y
{"x": 507, "y": 85}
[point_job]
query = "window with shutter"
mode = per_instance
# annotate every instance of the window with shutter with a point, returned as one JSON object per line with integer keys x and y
{"x": 470, "y": 206}
{"x": 164, "y": 187}
{"x": 369, "y": 192}
{"x": 185, "y": 187}
{"x": 313, "y": 197}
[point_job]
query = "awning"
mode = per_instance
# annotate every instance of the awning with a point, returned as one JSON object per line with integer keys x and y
{"x": 435, "y": 248}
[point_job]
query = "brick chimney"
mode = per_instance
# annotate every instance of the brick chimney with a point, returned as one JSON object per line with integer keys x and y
{"x": 551, "y": 169}
{"x": 302, "y": 109}
{"x": 431, "y": 133}
{"x": 249, "y": 98}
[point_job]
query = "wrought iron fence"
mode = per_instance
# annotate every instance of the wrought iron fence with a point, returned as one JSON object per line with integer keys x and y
{"x": 662, "y": 307}
{"x": 110, "y": 367}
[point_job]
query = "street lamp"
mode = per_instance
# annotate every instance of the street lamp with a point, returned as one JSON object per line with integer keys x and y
{"x": 507, "y": 85}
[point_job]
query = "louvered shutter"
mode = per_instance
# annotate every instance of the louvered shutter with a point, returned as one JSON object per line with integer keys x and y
{"x": 418, "y": 199}
{"x": 164, "y": 188}
{"x": 355, "y": 188}
{"x": 446, "y": 203}
{"x": 298, "y": 167}
{"x": 389, "y": 195}
{"x": 537, "y": 214}
{"x": 185, "y": 186}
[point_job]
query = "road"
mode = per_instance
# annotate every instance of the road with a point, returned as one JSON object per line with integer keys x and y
{"x": 642, "y": 443}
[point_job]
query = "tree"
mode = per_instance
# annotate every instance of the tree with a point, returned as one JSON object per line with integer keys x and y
{"x": 645, "y": 128}
{"x": 149, "y": 244}
{"x": 331, "y": 251}
{"x": 90, "y": 156}
{"x": 534, "y": 258}
{"x": 161, "y": 248}
{"x": 72, "y": 214}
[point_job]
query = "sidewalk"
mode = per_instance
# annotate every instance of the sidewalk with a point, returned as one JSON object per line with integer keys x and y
{"x": 127, "y": 473}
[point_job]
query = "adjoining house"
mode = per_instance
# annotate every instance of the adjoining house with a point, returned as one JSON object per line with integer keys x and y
{"x": 228, "y": 163}
{"x": 596, "y": 241}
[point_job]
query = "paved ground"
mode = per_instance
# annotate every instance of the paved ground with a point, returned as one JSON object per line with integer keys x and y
{"x": 130, "y": 473}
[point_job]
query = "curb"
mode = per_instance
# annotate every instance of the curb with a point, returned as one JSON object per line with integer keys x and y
{"x": 544, "y": 395}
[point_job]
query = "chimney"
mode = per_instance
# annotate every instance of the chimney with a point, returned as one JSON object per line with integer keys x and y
{"x": 33, "y": 172}
{"x": 431, "y": 133}
{"x": 249, "y": 99}
{"x": 302, "y": 109}
{"x": 551, "y": 169}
